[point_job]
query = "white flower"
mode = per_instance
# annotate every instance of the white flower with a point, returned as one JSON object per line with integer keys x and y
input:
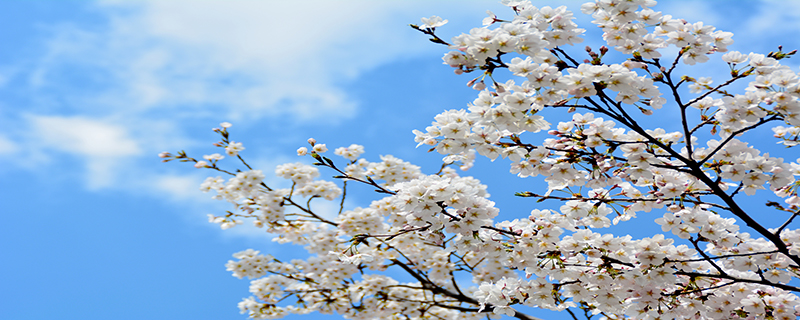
{"x": 320, "y": 148}
{"x": 234, "y": 148}
{"x": 734, "y": 57}
{"x": 432, "y": 22}
{"x": 354, "y": 259}
{"x": 214, "y": 157}
{"x": 350, "y": 153}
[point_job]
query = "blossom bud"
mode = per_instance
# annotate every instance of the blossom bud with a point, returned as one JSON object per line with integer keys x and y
{"x": 164, "y": 155}
{"x": 479, "y": 86}
{"x": 312, "y": 141}
{"x": 458, "y": 71}
{"x": 658, "y": 76}
{"x": 499, "y": 88}
{"x": 201, "y": 164}
{"x": 603, "y": 50}
{"x": 225, "y": 125}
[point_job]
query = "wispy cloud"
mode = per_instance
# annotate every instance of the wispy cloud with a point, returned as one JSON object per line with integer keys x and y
{"x": 148, "y": 69}
{"x": 7, "y": 146}
{"x": 246, "y": 59}
{"x": 103, "y": 146}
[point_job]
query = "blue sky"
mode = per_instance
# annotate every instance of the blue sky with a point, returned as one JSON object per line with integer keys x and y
{"x": 96, "y": 227}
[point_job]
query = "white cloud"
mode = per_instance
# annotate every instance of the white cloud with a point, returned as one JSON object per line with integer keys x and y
{"x": 180, "y": 187}
{"x": 247, "y": 59}
{"x": 772, "y": 17}
{"x": 7, "y": 146}
{"x": 103, "y": 146}
{"x": 83, "y": 136}
{"x": 691, "y": 11}
{"x": 155, "y": 65}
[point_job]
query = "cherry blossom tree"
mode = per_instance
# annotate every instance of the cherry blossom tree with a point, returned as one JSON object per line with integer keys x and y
{"x": 714, "y": 260}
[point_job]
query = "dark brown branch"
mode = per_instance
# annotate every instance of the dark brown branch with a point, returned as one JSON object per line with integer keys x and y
{"x": 679, "y": 292}
{"x": 430, "y": 286}
{"x": 733, "y": 135}
{"x": 721, "y": 257}
{"x": 706, "y": 257}
{"x": 786, "y": 224}
{"x": 728, "y": 277}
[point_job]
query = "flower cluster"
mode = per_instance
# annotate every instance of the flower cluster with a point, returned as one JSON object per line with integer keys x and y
{"x": 716, "y": 259}
{"x": 532, "y": 32}
{"x": 625, "y": 24}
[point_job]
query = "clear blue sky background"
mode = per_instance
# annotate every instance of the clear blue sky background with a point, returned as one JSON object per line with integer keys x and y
{"x": 95, "y": 227}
